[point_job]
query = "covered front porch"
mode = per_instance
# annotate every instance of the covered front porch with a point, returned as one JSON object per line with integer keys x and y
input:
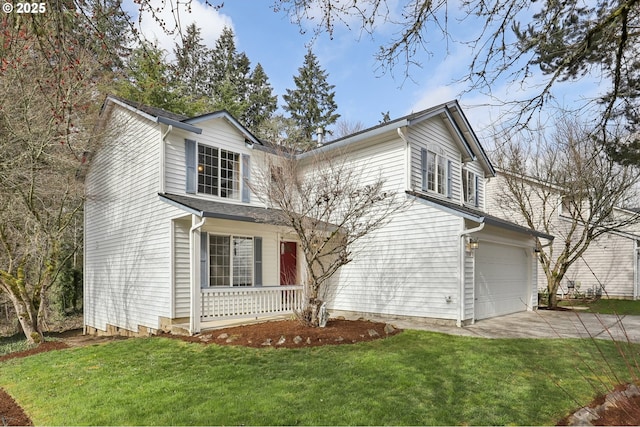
{"x": 228, "y": 307}
{"x": 231, "y": 264}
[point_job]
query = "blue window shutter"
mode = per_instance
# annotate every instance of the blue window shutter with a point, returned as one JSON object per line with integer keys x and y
{"x": 257, "y": 261}
{"x": 246, "y": 175}
{"x": 423, "y": 167}
{"x": 204, "y": 252}
{"x": 449, "y": 166}
{"x": 190, "y": 162}
{"x": 477, "y": 202}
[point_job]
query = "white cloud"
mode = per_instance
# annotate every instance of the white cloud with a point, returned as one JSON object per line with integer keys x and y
{"x": 175, "y": 15}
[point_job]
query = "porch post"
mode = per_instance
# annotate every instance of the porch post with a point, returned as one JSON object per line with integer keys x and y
{"x": 194, "y": 276}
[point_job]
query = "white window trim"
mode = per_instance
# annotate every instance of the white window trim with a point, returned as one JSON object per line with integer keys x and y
{"x": 231, "y": 258}
{"x": 440, "y": 162}
{"x": 237, "y": 192}
{"x": 470, "y": 181}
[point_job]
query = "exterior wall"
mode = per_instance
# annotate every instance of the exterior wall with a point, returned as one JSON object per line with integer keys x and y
{"x": 217, "y": 133}
{"x": 127, "y": 230}
{"x": 609, "y": 261}
{"x": 410, "y": 267}
{"x": 434, "y": 134}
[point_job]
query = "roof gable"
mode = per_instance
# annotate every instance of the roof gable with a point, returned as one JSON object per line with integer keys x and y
{"x": 450, "y": 112}
{"x": 158, "y": 115}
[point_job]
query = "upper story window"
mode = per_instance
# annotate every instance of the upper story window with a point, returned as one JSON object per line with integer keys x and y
{"x": 470, "y": 187}
{"x": 436, "y": 172}
{"x": 218, "y": 172}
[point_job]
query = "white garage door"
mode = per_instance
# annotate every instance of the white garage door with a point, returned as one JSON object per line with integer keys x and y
{"x": 501, "y": 280}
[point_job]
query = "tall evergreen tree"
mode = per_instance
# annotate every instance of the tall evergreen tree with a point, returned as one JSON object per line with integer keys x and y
{"x": 230, "y": 72}
{"x": 191, "y": 75}
{"x": 107, "y": 32}
{"x": 148, "y": 80}
{"x": 312, "y": 103}
{"x": 262, "y": 103}
{"x": 246, "y": 94}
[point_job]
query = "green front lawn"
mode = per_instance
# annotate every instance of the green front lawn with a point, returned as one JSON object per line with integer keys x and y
{"x": 414, "y": 378}
{"x": 606, "y": 306}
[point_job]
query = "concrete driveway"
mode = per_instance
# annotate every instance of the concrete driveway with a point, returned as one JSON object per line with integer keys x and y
{"x": 544, "y": 324}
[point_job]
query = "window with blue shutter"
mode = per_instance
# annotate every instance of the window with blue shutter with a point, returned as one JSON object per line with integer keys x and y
{"x": 257, "y": 261}
{"x": 190, "y": 162}
{"x": 477, "y": 199}
{"x": 246, "y": 174}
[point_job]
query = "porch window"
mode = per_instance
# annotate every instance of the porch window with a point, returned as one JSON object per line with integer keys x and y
{"x": 470, "y": 187}
{"x": 230, "y": 260}
{"x": 218, "y": 172}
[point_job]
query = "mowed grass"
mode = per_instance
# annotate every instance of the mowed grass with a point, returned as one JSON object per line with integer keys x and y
{"x": 620, "y": 307}
{"x": 414, "y": 378}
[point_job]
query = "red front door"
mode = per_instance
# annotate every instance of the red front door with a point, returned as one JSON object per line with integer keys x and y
{"x": 288, "y": 271}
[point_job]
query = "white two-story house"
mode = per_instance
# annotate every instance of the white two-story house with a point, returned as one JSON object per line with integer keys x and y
{"x": 173, "y": 240}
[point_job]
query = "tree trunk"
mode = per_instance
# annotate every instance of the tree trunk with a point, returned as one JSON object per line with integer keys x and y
{"x": 552, "y": 287}
{"x": 315, "y": 314}
{"x": 28, "y": 318}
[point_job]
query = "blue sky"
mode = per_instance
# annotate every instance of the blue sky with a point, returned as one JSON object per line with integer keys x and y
{"x": 363, "y": 91}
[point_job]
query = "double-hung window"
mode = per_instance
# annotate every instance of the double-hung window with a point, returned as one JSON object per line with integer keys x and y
{"x": 470, "y": 187}
{"x": 218, "y": 172}
{"x": 231, "y": 260}
{"x": 436, "y": 173}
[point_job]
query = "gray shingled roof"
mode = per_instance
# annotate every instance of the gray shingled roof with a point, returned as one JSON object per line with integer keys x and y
{"x": 479, "y": 216}
{"x": 221, "y": 210}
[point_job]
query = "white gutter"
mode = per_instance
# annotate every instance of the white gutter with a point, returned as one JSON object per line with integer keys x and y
{"x": 407, "y": 169}
{"x": 354, "y": 139}
{"x": 462, "y": 234}
{"x": 194, "y": 266}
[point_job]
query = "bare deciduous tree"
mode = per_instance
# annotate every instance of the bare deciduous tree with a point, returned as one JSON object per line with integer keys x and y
{"x": 330, "y": 203}
{"x": 49, "y": 97}
{"x": 566, "y": 186}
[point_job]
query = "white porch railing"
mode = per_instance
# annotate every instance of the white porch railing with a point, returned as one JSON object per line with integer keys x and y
{"x": 238, "y": 302}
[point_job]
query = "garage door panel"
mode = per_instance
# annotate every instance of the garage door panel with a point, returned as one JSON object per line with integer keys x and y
{"x": 501, "y": 280}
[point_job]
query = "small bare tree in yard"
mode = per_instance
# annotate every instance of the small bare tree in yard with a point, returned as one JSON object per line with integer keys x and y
{"x": 330, "y": 204}
{"x": 567, "y": 186}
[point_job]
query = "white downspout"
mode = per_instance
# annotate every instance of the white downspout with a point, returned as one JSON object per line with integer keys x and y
{"x": 407, "y": 169}
{"x": 162, "y": 158}
{"x": 194, "y": 266}
{"x": 463, "y": 234}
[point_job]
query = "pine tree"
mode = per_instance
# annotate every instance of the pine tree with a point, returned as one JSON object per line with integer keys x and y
{"x": 148, "y": 81}
{"x": 192, "y": 63}
{"x": 312, "y": 103}
{"x": 246, "y": 94}
{"x": 261, "y": 102}
{"x": 230, "y": 72}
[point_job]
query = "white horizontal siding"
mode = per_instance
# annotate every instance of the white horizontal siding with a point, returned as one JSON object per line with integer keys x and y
{"x": 410, "y": 266}
{"x": 608, "y": 261}
{"x": 433, "y": 134}
{"x": 181, "y": 270}
{"x": 127, "y": 229}
{"x": 469, "y": 286}
{"x": 216, "y": 133}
